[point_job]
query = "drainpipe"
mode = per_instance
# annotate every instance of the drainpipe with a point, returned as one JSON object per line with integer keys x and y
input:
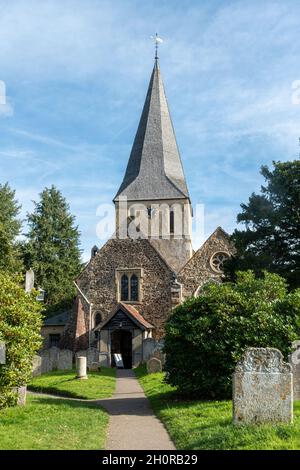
{"x": 90, "y": 311}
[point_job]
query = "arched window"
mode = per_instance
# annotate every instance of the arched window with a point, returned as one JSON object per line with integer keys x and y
{"x": 97, "y": 319}
{"x": 134, "y": 288}
{"x": 171, "y": 221}
{"x": 124, "y": 287}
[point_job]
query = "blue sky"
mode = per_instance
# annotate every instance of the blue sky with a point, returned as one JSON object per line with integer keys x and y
{"x": 76, "y": 74}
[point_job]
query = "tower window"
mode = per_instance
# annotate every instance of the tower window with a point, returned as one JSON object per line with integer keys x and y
{"x": 124, "y": 287}
{"x": 134, "y": 288}
{"x": 171, "y": 221}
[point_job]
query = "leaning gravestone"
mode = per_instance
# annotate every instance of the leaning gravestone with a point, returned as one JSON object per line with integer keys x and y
{"x": 65, "y": 359}
{"x": 262, "y": 388}
{"x": 2, "y": 353}
{"x": 149, "y": 345}
{"x": 154, "y": 365}
{"x": 294, "y": 360}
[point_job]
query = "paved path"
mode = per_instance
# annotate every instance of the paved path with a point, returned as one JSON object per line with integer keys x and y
{"x": 132, "y": 423}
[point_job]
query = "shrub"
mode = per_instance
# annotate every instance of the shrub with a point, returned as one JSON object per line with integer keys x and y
{"x": 20, "y": 324}
{"x": 206, "y": 336}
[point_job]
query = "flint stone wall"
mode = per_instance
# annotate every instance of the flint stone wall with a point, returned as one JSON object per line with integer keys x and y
{"x": 294, "y": 361}
{"x": 262, "y": 388}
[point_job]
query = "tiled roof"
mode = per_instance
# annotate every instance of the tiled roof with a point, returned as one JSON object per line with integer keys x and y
{"x": 59, "y": 319}
{"x": 131, "y": 312}
{"x": 154, "y": 170}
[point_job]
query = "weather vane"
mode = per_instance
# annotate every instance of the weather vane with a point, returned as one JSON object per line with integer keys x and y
{"x": 157, "y": 40}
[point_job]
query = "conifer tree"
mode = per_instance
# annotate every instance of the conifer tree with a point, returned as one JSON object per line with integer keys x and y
{"x": 10, "y": 227}
{"x": 53, "y": 250}
{"x": 271, "y": 238}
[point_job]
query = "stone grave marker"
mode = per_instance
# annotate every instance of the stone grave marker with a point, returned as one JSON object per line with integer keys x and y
{"x": 262, "y": 388}
{"x": 154, "y": 365}
{"x": 294, "y": 361}
{"x": 65, "y": 359}
{"x": 81, "y": 368}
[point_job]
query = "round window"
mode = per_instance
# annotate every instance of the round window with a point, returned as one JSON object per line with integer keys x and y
{"x": 217, "y": 261}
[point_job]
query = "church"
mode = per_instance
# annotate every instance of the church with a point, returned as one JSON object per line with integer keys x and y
{"x": 129, "y": 287}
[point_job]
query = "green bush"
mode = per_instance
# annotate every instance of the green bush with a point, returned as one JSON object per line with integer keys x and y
{"x": 206, "y": 336}
{"x": 20, "y": 324}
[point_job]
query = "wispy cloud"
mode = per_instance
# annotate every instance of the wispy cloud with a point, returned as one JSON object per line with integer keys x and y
{"x": 76, "y": 75}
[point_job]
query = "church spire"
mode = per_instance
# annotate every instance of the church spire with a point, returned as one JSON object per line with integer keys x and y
{"x": 154, "y": 169}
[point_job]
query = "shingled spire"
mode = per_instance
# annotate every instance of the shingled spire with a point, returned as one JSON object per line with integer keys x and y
{"x": 154, "y": 170}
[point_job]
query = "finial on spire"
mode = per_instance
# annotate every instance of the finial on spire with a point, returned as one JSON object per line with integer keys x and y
{"x": 157, "y": 40}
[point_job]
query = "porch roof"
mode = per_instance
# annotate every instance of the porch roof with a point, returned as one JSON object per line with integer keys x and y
{"x": 133, "y": 314}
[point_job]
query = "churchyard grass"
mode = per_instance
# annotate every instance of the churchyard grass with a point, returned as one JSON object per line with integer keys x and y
{"x": 195, "y": 424}
{"x": 53, "y": 423}
{"x": 64, "y": 383}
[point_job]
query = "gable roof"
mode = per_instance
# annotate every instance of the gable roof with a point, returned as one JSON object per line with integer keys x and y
{"x": 154, "y": 169}
{"x": 133, "y": 314}
{"x": 219, "y": 231}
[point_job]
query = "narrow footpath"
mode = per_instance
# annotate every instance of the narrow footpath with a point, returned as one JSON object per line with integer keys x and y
{"x": 132, "y": 423}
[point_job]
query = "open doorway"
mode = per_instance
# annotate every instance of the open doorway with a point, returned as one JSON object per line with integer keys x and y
{"x": 121, "y": 343}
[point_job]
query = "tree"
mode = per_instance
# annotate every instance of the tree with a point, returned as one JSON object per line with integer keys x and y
{"x": 20, "y": 324}
{"x": 271, "y": 239}
{"x": 10, "y": 226}
{"x": 207, "y": 335}
{"x": 53, "y": 250}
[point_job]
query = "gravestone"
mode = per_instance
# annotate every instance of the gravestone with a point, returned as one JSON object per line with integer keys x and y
{"x": 262, "y": 388}
{"x": 65, "y": 359}
{"x": 159, "y": 355}
{"x": 36, "y": 365}
{"x": 81, "y": 368}
{"x": 149, "y": 344}
{"x": 22, "y": 391}
{"x": 92, "y": 355}
{"x": 94, "y": 367}
{"x": 2, "y": 353}
{"x": 45, "y": 361}
{"x": 53, "y": 358}
{"x": 104, "y": 359}
{"x": 154, "y": 365}
{"x": 294, "y": 360}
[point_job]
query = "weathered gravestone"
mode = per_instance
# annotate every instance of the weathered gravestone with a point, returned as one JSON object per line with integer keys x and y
{"x": 149, "y": 344}
{"x": 22, "y": 391}
{"x": 94, "y": 367}
{"x": 36, "y": 365}
{"x": 159, "y": 355}
{"x": 65, "y": 359}
{"x": 45, "y": 361}
{"x": 2, "y": 353}
{"x": 294, "y": 360}
{"x": 262, "y": 388}
{"x": 53, "y": 358}
{"x": 154, "y": 365}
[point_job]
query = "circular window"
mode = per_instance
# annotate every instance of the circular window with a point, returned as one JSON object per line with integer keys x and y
{"x": 217, "y": 261}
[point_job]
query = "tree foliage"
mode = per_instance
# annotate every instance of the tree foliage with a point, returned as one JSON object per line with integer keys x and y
{"x": 10, "y": 227}
{"x": 20, "y": 323}
{"x": 53, "y": 250}
{"x": 271, "y": 239}
{"x": 206, "y": 336}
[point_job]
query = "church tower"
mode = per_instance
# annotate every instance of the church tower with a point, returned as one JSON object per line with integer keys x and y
{"x": 153, "y": 196}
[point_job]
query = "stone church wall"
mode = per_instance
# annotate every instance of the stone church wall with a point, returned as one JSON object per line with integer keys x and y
{"x": 98, "y": 280}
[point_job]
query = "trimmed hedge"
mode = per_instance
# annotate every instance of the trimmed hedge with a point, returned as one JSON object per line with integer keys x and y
{"x": 207, "y": 335}
{"x": 20, "y": 325}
